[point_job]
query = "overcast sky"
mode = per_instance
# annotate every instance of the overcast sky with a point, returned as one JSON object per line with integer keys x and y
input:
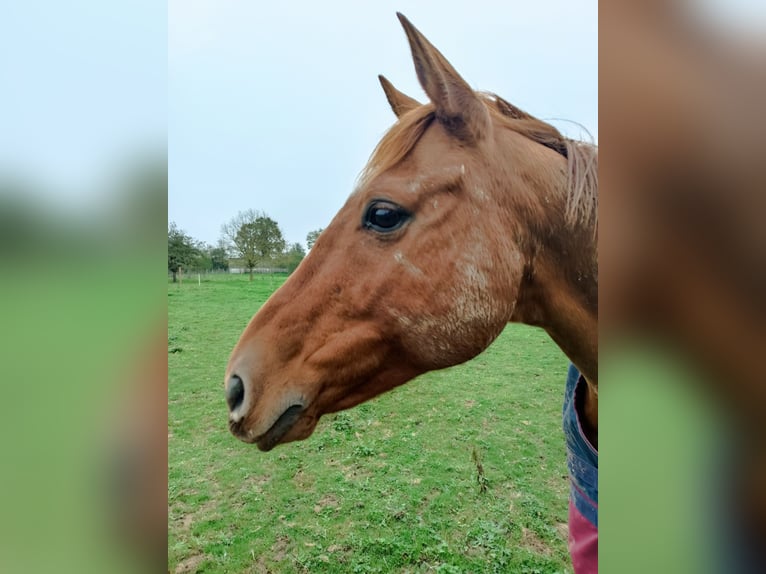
{"x": 276, "y": 106}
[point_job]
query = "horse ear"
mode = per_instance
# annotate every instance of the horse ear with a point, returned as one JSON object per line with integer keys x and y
{"x": 458, "y": 107}
{"x": 400, "y": 103}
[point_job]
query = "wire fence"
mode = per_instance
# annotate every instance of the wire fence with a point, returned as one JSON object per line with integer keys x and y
{"x": 200, "y": 276}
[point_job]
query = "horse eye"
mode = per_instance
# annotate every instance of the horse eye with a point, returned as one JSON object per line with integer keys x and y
{"x": 384, "y": 217}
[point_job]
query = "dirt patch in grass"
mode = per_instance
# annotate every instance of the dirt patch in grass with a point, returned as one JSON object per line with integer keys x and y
{"x": 303, "y": 480}
{"x": 279, "y": 548}
{"x": 190, "y": 564}
{"x": 327, "y": 501}
{"x": 355, "y": 473}
{"x": 187, "y": 521}
{"x": 533, "y": 542}
{"x": 260, "y": 566}
{"x": 205, "y": 511}
{"x": 255, "y": 483}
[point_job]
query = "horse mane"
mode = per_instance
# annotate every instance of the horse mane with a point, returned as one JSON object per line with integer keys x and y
{"x": 582, "y": 157}
{"x": 397, "y": 142}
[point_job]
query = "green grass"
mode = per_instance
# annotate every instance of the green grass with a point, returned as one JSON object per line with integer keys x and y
{"x": 461, "y": 470}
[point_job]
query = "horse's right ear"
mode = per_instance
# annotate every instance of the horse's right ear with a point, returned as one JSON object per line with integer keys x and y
{"x": 400, "y": 103}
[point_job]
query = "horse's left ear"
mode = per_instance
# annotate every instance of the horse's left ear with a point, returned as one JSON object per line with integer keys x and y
{"x": 458, "y": 107}
{"x": 401, "y": 103}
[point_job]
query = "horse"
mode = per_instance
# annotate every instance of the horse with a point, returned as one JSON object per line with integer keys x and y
{"x": 469, "y": 214}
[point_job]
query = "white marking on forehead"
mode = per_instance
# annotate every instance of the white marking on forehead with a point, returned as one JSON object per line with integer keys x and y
{"x": 415, "y": 185}
{"x": 447, "y": 174}
{"x": 408, "y": 265}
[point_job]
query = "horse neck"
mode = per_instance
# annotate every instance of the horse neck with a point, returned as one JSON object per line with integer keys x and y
{"x": 561, "y": 296}
{"x": 559, "y": 293}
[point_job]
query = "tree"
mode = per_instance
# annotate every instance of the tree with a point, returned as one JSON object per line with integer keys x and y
{"x": 182, "y": 250}
{"x": 202, "y": 262}
{"x": 210, "y": 258}
{"x": 311, "y": 237}
{"x": 254, "y": 237}
{"x": 218, "y": 258}
{"x": 293, "y": 257}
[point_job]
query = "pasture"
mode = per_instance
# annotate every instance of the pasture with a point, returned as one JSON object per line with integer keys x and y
{"x": 461, "y": 470}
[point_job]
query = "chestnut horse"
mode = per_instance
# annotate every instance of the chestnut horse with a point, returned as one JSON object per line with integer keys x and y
{"x": 470, "y": 214}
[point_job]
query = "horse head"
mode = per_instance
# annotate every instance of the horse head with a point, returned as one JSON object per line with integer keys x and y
{"x": 455, "y": 228}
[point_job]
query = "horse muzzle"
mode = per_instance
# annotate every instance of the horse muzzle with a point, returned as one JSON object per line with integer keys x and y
{"x": 279, "y": 430}
{"x": 251, "y": 421}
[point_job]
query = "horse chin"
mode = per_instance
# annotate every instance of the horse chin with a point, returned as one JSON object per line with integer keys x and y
{"x": 293, "y": 424}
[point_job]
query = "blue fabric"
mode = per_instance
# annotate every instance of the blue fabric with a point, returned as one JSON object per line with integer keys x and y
{"x": 582, "y": 458}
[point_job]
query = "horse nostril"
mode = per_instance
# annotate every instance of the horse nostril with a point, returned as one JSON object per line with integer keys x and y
{"x": 235, "y": 392}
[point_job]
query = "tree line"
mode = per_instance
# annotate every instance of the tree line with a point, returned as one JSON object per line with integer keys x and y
{"x": 251, "y": 239}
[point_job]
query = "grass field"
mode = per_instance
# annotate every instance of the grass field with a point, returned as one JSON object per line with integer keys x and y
{"x": 461, "y": 470}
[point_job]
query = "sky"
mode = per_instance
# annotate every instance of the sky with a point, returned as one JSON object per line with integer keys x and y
{"x": 276, "y": 106}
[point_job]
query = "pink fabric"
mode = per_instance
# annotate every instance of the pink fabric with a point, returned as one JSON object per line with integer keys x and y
{"x": 583, "y": 542}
